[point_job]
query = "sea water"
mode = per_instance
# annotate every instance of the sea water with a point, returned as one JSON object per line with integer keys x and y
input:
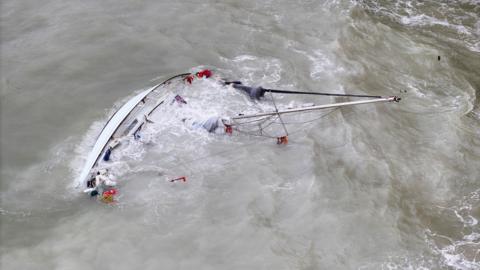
{"x": 380, "y": 186}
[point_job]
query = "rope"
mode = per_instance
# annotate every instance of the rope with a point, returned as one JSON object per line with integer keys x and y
{"x": 187, "y": 165}
{"x": 311, "y": 120}
{"x": 274, "y": 122}
{"x": 264, "y": 119}
{"x": 261, "y": 130}
{"x": 256, "y": 135}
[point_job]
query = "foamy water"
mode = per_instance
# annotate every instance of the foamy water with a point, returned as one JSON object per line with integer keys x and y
{"x": 383, "y": 186}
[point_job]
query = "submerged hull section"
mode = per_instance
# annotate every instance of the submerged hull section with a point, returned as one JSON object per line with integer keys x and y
{"x": 126, "y": 121}
{"x": 134, "y": 114}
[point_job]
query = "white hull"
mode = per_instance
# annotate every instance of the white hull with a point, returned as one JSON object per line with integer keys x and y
{"x": 123, "y": 124}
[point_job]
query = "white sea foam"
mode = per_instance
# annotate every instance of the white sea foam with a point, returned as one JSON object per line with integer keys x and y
{"x": 420, "y": 15}
{"x": 354, "y": 191}
{"x": 463, "y": 253}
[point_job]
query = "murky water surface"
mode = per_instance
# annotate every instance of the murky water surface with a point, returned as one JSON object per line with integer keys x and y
{"x": 385, "y": 186}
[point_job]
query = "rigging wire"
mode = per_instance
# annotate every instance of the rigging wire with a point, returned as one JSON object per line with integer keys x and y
{"x": 279, "y": 117}
{"x": 311, "y": 120}
{"x": 270, "y": 120}
{"x": 274, "y": 122}
{"x": 265, "y": 137}
{"x": 191, "y": 171}
{"x": 263, "y": 123}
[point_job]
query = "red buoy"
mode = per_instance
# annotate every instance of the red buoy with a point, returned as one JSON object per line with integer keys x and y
{"x": 204, "y": 73}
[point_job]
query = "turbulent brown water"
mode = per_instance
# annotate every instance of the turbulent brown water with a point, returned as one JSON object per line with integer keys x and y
{"x": 386, "y": 186}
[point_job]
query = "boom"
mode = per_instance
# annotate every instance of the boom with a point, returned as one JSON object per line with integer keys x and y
{"x": 319, "y": 107}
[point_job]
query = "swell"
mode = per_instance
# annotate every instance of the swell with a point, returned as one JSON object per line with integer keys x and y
{"x": 453, "y": 29}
